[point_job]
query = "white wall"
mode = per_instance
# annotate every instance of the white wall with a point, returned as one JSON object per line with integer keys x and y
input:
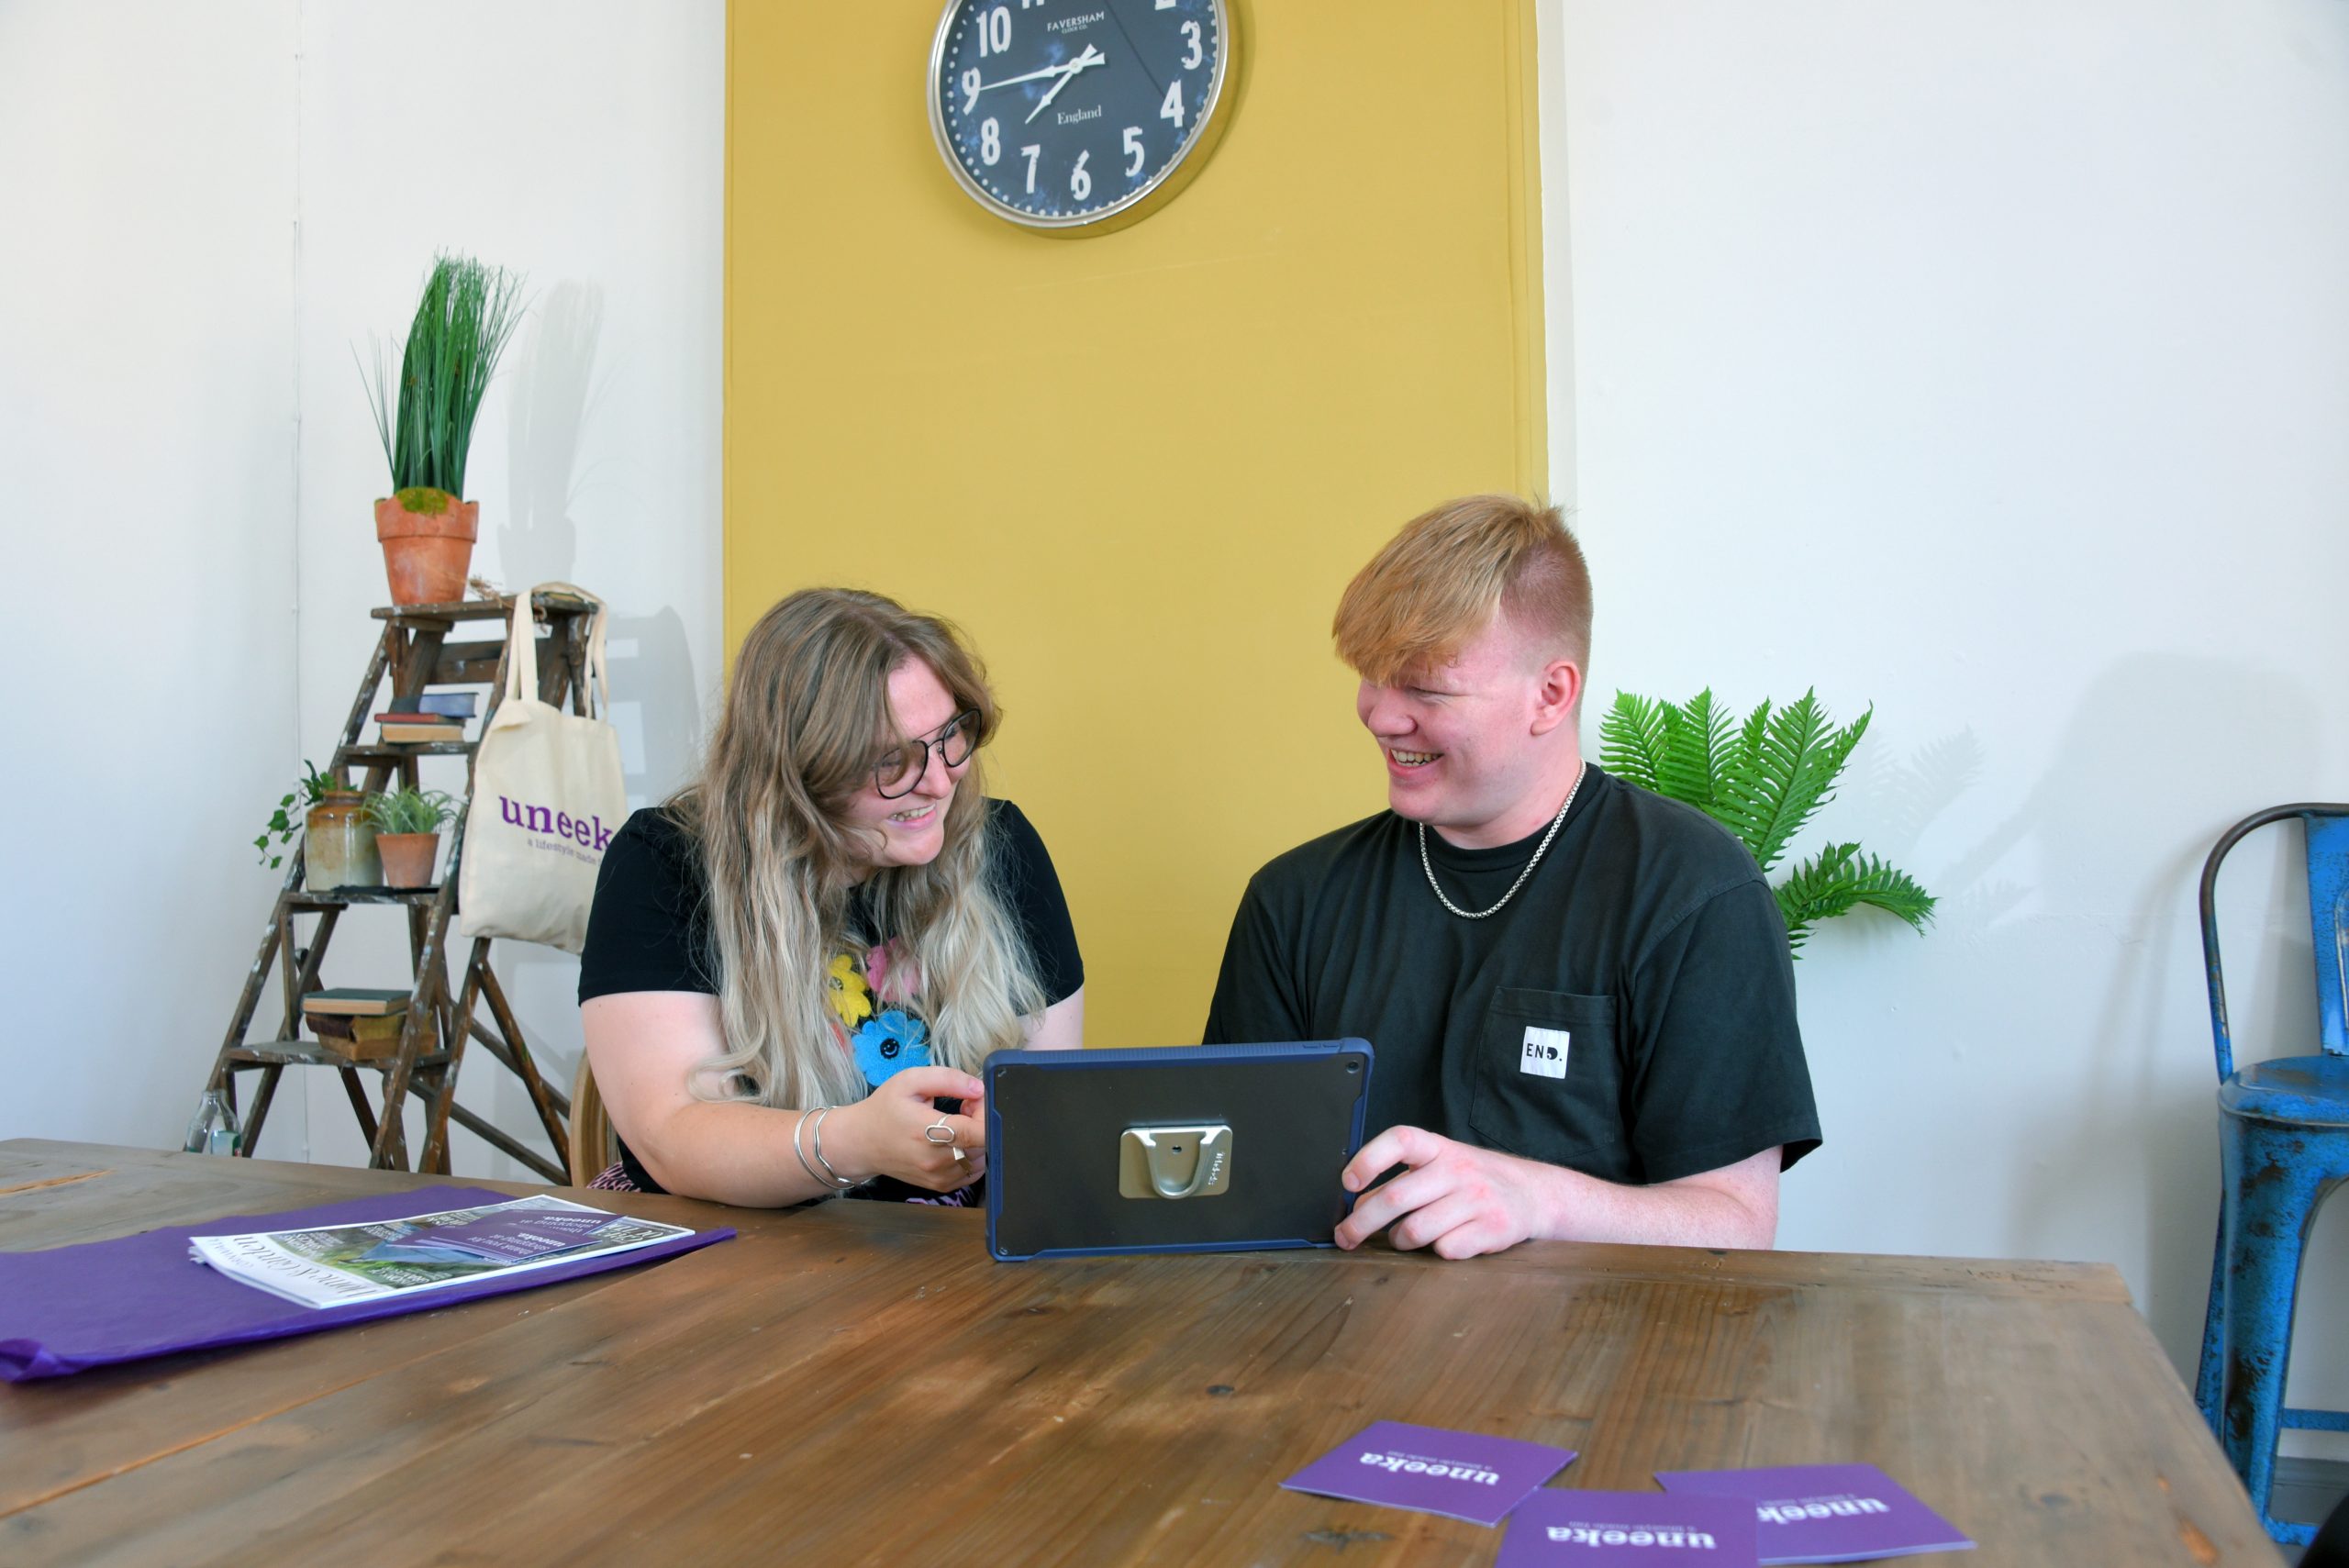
{"x": 147, "y": 438}
{"x": 1990, "y": 363}
{"x": 226, "y": 202}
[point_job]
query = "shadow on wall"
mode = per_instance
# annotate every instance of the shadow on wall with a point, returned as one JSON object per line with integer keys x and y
{"x": 656, "y": 703}
{"x": 1892, "y": 806}
{"x": 551, "y": 380}
{"x": 656, "y": 698}
{"x": 2147, "y": 1121}
{"x": 1903, "y": 799}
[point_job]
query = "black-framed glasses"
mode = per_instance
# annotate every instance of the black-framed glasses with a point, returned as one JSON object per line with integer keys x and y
{"x": 899, "y": 772}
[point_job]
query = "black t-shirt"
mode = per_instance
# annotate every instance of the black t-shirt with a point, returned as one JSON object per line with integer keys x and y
{"x": 648, "y": 931}
{"x": 1629, "y": 1014}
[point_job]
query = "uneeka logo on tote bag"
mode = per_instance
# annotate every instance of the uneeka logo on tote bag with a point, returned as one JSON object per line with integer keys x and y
{"x": 547, "y": 824}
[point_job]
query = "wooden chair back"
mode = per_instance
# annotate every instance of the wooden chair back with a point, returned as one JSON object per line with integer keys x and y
{"x": 594, "y": 1144}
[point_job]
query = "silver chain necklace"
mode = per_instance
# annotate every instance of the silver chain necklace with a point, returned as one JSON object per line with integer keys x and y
{"x": 1555, "y": 823}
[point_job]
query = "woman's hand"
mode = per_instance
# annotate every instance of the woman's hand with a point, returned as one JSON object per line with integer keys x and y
{"x": 896, "y": 1131}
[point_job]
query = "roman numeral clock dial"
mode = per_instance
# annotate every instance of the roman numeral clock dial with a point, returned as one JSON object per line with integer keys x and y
{"x": 1078, "y": 115}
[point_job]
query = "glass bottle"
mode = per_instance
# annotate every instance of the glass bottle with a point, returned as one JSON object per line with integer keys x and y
{"x": 338, "y": 845}
{"x": 213, "y": 1129}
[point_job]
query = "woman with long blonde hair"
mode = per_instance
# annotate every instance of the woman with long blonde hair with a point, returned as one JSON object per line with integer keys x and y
{"x": 796, "y": 964}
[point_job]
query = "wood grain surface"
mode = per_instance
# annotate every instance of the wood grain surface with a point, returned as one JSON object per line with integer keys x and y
{"x": 859, "y": 1382}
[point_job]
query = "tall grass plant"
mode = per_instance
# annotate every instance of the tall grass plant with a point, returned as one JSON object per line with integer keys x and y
{"x": 426, "y": 421}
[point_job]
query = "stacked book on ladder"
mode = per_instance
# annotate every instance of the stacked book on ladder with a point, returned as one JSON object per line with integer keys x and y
{"x": 414, "y": 1035}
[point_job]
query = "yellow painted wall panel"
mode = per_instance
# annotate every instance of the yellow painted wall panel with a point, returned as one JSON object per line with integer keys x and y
{"x": 1137, "y": 467}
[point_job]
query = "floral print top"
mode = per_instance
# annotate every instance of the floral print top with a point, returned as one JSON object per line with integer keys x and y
{"x": 883, "y": 1040}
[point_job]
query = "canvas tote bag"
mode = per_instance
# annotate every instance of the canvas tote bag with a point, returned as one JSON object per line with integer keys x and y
{"x": 548, "y": 797}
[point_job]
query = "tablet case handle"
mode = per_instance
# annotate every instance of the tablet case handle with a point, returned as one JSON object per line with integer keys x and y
{"x": 1176, "y": 1162}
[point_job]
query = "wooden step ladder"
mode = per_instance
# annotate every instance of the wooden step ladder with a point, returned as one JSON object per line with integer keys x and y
{"x": 415, "y": 654}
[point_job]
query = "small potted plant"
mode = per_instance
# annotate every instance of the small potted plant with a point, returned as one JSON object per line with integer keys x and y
{"x": 425, "y": 423}
{"x": 407, "y": 833}
{"x": 338, "y": 841}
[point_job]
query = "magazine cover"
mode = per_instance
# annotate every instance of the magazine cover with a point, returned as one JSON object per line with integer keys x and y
{"x": 340, "y": 1264}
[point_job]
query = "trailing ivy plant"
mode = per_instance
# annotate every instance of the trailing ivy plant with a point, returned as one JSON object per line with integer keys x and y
{"x": 425, "y": 422}
{"x": 410, "y": 810}
{"x": 1761, "y": 779}
{"x": 283, "y": 823}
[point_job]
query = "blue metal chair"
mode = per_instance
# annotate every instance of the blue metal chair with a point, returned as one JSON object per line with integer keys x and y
{"x": 2284, "y": 1145}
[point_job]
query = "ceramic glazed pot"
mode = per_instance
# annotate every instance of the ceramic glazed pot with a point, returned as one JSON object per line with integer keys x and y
{"x": 408, "y": 857}
{"x": 339, "y": 846}
{"x": 427, "y": 539}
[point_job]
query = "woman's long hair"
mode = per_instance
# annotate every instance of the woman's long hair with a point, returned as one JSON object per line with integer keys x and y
{"x": 806, "y": 712}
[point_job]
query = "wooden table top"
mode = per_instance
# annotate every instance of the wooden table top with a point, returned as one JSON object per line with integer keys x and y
{"x": 859, "y": 1382}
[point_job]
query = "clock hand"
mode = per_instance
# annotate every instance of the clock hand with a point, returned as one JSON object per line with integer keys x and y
{"x": 1091, "y": 56}
{"x": 1013, "y": 81}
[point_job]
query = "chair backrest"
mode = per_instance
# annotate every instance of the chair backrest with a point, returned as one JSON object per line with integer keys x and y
{"x": 2327, "y": 827}
{"x": 594, "y": 1144}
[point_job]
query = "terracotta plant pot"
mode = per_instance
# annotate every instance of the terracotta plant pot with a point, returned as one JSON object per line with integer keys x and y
{"x": 408, "y": 857}
{"x": 338, "y": 845}
{"x": 428, "y": 537}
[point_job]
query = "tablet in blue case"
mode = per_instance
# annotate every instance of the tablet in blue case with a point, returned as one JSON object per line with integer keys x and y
{"x": 1191, "y": 1149}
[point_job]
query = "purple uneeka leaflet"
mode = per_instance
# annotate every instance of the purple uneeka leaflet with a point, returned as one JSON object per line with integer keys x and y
{"x": 71, "y": 1307}
{"x": 1464, "y": 1475}
{"x": 1826, "y": 1513}
{"x": 1627, "y": 1530}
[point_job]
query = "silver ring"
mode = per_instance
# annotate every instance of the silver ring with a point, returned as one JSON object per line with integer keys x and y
{"x": 958, "y": 1153}
{"x": 939, "y": 1133}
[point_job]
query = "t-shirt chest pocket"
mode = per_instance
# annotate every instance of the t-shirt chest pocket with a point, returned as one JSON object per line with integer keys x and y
{"x": 1547, "y": 1081}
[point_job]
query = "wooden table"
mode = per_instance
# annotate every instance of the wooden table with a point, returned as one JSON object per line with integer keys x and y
{"x": 859, "y": 1382}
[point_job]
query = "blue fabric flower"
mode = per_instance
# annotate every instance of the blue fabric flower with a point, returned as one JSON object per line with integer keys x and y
{"x": 888, "y": 1043}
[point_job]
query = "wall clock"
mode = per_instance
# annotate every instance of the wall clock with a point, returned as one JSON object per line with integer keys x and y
{"x": 1077, "y": 116}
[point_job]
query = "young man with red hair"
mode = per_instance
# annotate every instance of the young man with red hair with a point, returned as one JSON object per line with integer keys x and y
{"x": 1579, "y": 992}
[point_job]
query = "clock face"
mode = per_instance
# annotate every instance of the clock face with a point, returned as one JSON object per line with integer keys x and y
{"x": 1060, "y": 114}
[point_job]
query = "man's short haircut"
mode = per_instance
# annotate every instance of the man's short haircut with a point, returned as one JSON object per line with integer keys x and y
{"x": 1437, "y": 586}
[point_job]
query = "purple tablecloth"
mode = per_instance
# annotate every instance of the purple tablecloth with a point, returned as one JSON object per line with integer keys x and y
{"x": 73, "y": 1308}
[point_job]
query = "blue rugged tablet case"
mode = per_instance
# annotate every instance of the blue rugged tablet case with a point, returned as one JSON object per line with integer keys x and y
{"x": 1056, "y": 1119}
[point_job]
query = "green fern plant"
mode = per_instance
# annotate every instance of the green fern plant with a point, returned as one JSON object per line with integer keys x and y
{"x": 1761, "y": 779}
{"x": 411, "y": 810}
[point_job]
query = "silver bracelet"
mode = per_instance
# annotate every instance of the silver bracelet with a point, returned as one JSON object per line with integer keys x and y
{"x": 803, "y": 1117}
{"x": 816, "y": 1138}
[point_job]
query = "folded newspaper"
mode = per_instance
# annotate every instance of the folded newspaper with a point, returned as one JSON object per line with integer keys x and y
{"x": 343, "y": 1264}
